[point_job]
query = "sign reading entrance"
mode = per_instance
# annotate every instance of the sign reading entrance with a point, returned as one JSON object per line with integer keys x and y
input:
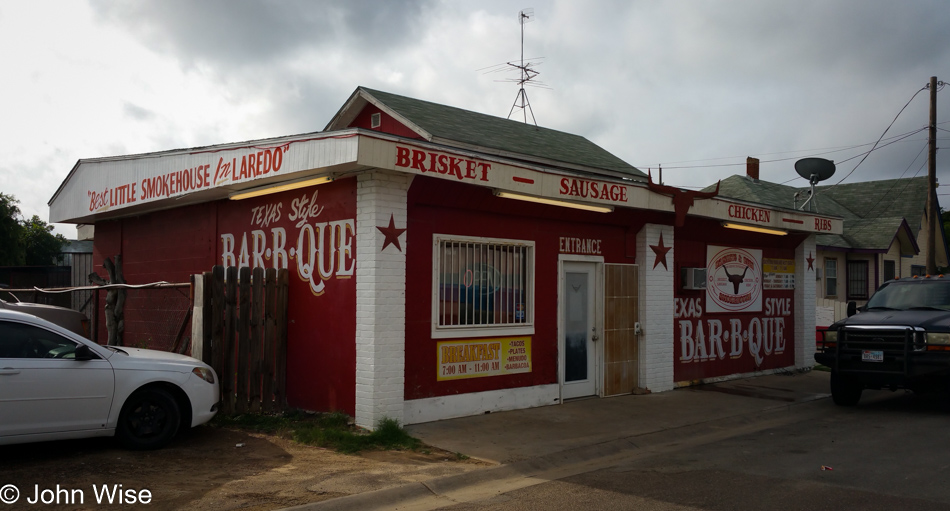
{"x": 483, "y": 357}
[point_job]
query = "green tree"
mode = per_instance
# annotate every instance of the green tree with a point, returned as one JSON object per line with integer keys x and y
{"x": 26, "y": 242}
{"x": 41, "y": 245}
{"x": 12, "y": 252}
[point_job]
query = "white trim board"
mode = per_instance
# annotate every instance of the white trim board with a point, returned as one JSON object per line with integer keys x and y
{"x": 431, "y": 409}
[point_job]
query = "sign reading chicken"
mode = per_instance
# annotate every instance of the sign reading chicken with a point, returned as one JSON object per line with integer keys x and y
{"x": 733, "y": 280}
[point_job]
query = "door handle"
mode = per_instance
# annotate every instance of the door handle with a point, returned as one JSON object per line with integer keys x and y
{"x": 594, "y": 337}
{"x": 9, "y": 370}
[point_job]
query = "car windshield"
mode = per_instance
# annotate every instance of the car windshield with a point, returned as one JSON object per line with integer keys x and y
{"x": 914, "y": 294}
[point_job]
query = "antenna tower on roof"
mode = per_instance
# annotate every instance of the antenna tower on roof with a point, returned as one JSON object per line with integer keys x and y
{"x": 526, "y": 70}
{"x": 527, "y": 73}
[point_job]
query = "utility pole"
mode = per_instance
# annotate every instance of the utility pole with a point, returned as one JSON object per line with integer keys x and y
{"x": 932, "y": 182}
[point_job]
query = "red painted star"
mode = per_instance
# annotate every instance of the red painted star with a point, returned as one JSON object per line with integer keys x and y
{"x": 811, "y": 261}
{"x": 660, "y": 252}
{"x": 391, "y": 233}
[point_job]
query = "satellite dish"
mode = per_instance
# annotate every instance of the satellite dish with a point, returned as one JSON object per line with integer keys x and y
{"x": 815, "y": 169}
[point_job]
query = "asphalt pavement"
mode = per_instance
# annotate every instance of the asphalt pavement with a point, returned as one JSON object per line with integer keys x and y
{"x": 541, "y": 444}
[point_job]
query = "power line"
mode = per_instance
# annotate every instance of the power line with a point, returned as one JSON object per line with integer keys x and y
{"x": 885, "y": 194}
{"x": 878, "y": 140}
{"x": 891, "y": 140}
{"x": 818, "y": 151}
{"x": 881, "y": 147}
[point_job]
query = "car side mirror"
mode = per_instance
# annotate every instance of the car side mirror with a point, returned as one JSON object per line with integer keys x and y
{"x": 852, "y": 309}
{"x": 83, "y": 353}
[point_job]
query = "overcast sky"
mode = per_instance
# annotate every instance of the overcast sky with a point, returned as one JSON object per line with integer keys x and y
{"x": 693, "y": 85}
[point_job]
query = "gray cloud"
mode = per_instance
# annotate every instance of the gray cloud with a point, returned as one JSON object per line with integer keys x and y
{"x": 254, "y": 33}
{"x": 697, "y": 85}
{"x": 651, "y": 81}
{"x": 136, "y": 112}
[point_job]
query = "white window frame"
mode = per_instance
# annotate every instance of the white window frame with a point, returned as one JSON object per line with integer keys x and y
{"x": 831, "y": 275}
{"x": 462, "y": 331}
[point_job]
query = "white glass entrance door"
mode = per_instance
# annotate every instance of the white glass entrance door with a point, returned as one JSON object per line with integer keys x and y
{"x": 578, "y": 332}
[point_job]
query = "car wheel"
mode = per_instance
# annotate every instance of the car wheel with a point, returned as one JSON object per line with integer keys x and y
{"x": 845, "y": 392}
{"x": 149, "y": 419}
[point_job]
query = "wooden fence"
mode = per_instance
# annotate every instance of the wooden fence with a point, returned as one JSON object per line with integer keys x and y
{"x": 240, "y": 329}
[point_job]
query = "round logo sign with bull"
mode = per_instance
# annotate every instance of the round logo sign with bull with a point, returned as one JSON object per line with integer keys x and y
{"x": 734, "y": 280}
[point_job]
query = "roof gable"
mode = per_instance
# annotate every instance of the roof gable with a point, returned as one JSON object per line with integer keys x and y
{"x": 484, "y": 133}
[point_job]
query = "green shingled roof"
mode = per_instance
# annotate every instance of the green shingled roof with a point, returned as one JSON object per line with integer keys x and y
{"x": 895, "y": 198}
{"x": 873, "y": 211}
{"x": 502, "y": 135}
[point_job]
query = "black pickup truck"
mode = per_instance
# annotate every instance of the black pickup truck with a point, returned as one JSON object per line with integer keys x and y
{"x": 899, "y": 339}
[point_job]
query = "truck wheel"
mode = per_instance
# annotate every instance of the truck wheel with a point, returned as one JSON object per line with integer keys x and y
{"x": 149, "y": 419}
{"x": 845, "y": 392}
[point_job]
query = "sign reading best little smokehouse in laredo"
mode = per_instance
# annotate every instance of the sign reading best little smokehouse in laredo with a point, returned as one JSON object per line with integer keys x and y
{"x": 739, "y": 325}
{"x": 483, "y": 357}
{"x": 311, "y": 230}
{"x": 253, "y": 163}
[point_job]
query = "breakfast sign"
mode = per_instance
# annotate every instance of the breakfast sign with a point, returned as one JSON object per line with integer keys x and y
{"x": 483, "y": 357}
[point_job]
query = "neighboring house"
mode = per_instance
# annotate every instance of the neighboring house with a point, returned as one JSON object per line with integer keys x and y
{"x": 885, "y": 233}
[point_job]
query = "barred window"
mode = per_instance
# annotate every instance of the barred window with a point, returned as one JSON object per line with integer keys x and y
{"x": 483, "y": 283}
{"x": 857, "y": 280}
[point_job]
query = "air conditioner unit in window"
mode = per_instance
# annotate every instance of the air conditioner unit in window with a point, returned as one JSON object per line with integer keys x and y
{"x": 693, "y": 278}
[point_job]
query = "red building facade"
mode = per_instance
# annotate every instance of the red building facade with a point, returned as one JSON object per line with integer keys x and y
{"x": 437, "y": 272}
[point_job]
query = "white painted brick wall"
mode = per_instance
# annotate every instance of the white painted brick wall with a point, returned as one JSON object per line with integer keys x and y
{"x": 656, "y": 309}
{"x": 805, "y": 303}
{"x": 380, "y": 298}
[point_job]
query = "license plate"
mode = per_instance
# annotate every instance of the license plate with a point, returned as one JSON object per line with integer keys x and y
{"x": 872, "y": 356}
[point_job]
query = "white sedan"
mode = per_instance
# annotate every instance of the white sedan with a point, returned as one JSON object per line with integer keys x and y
{"x": 56, "y": 385}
